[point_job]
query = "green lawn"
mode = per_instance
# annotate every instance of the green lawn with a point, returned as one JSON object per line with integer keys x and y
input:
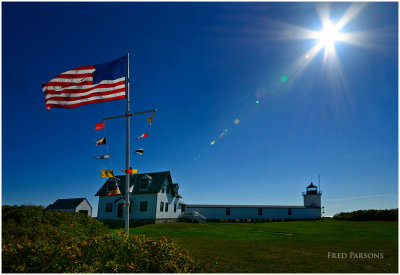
{"x": 297, "y": 246}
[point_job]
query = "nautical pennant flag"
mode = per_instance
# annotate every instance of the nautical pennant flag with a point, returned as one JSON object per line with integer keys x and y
{"x": 114, "y": 192}
{"x": 150, "y": 119}
{"x": 99, "y": 125}
{"x": 106, "y": 156}
{"x": 143, "y": 135}
{"x": 131, "y": 171}
{"x": 139, "y": 151}
{"x": 101, "y": 142}
{"x": 87, "y": 84}
{"x": 107, "y": 173}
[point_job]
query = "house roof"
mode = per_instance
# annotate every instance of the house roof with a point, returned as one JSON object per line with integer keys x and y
{"x": 240, "y": 206}
{"x": 158, "y": 180}
{"x": 66, "y": 203}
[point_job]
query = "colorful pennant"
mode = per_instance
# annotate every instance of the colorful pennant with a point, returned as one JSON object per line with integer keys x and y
{"x": 143, "y": 135}
{"x": 101, "y": 142}
{"x": 139, "y": 151}
{"x": 99, "y": 125}
{"x": 114, "y": 192}
{"x": 131, "y": 171}
{"x": 150, "y": 119}
{"x": 106, "y": 156}
{"x": 107, "y": 173}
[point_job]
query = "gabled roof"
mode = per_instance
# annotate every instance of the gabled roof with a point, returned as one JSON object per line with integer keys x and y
{"x": 66, "y": 203}
{"x": 158, "y": 180}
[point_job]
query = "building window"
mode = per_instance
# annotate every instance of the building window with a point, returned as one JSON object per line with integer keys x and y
{"x": 228, "y": 211}
{"x": 259, "y": 211}
{"x": 166, "y": 207}
{"x": 161, "y": 206}
{"x": 109, "y": 207}
{"x": 289, "y": 211}
{"x": 144, "y": 184}
{"x": 163, "y": 189}
{"x": 143, "y": 206}
{"x": 174, "y": 207}
{"x": 167, "y": 188}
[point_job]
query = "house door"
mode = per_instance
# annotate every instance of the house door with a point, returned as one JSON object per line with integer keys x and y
{"x": 120, "y": 210}
{"x": 84, "y": 212}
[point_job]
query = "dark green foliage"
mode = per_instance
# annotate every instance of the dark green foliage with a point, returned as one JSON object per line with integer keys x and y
{"x": 35, "y": 240}
{"x": 369, "y": 215}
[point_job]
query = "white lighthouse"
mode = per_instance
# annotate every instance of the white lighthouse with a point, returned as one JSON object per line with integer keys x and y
{"x": 312, "y": 196}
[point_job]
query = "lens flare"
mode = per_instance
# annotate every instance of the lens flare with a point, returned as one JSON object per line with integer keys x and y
{"x": 307, "y": 56}
{"x": 237, "y": 121}
{"x": 212, "y": 142}
{"x": 257, "y": 101}
{"x": 283, "y": 78}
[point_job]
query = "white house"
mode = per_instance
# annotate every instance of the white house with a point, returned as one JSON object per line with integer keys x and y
{"x": 72, "y": 205}
{"x": 153, "y": 197}
{"x": 309, "y": 211}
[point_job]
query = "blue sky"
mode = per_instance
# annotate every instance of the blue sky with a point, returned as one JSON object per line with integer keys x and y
{"x": 204, "y": 66}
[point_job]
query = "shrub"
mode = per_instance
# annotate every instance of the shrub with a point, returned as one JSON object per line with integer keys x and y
{"x": 369, "y": 215}
{"x": 37, "y": 240}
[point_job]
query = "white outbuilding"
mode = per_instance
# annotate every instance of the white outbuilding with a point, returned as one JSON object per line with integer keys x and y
{"x": 80, "y": 205}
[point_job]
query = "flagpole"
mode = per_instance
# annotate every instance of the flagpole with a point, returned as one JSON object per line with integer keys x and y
{"x": 127, "y": 200}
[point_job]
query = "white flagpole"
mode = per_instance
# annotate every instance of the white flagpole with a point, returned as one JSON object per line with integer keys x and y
{"x": 127, "y": 200}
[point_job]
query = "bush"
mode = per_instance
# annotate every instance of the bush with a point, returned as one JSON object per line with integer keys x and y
{"x": 368, "y": 215}
{"x": 37, "y": 240}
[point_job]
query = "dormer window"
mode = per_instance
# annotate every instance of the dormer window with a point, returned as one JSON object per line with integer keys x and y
{"x": 167, "y": 188}
{"x": 145, "y": 182}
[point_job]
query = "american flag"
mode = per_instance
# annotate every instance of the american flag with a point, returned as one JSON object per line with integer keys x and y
{"x": 87, "y": 84}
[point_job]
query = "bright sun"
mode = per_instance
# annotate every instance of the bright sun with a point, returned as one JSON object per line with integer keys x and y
{"x": 329, "y": 34}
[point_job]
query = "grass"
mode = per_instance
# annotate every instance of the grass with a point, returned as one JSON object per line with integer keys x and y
{"x": 295, "y": 246}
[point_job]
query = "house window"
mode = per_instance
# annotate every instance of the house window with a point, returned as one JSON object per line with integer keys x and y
{"x": 143, "y": 206}
{"x": 289, "y": 211}
{"x": 161, "y": 206}
{"x": 167, "y": 188}
{"x": 109, "y": 207}
{"x": 166, "y": 207}
{"x": 228, "y": 211}
{"x": 163, "y": 189}
{"x": 144, "y": 184}
{"x": 259, "y": 211}
{"x": 174, "y": 207}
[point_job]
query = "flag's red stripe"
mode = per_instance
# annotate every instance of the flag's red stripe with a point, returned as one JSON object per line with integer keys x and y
{"x": 66, "y": 84}
{"x": 73, "y": 75}
{"x": 109, "y": 85}
{"x": 63, "y": 98}
{"x": 83, "y": 103}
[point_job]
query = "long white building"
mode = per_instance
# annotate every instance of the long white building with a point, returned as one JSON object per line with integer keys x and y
{"x": 309, "y": 211}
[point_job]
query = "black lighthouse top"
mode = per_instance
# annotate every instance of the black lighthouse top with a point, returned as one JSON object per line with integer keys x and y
{"x": 311, "y": 189}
